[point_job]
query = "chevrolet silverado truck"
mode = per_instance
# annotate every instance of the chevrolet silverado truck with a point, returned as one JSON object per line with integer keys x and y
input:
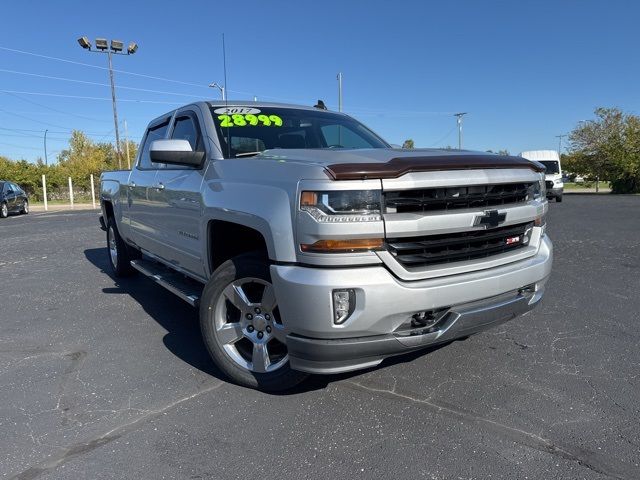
{"x": 310, "y": 245}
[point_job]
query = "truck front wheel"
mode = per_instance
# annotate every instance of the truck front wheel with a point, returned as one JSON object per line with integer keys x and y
{"x": 242, "y": 328}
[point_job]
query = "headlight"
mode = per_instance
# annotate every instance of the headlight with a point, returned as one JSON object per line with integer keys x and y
{"x": 342, "y": 206}
{"x": 538, "y": 190}
{"x": 543, "y": 187}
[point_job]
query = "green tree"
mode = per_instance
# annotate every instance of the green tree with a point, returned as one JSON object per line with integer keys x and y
{"x": 408, "y": 144}
{"x": 608, "y": 148}
{"x": 80, "y": 160}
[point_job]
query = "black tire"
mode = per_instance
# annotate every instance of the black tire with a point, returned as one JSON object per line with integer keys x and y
{"x": 559, "y": 198}
{"x": 25, "y": 207}
{"x": 238, "y": 269}
{"x": 121, "y": 261}
{"x": 4, "y": 210}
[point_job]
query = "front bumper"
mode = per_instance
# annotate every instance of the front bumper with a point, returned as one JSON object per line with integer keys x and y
{"x": 473, "y": 302}
{"x": 339, "y": 355}
{"x": 555, "y": 192}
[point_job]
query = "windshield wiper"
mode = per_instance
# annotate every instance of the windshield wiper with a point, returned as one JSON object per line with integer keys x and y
{"x": 247, "y": 154}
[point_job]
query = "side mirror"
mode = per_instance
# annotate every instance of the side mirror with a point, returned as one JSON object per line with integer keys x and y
{"x": 175, "y": 152}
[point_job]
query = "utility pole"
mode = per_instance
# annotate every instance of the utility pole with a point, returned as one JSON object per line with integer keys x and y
{"x": 46, "y": 161}
{"x": 339, "y": 91}
{"x": 459, "y": 121}
{"x": 116, "y": 48}
{"x": 560, "y": 137}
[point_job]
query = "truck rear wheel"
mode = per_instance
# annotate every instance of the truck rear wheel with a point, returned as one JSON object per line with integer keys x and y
{"x": 242, "y": 328}
{"x": 119, "y": 254}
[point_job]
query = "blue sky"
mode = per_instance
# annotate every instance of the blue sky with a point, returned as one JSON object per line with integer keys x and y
{"x": 525, "y": 71}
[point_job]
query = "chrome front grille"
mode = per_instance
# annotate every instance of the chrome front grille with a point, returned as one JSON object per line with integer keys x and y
{"x": 455, "y": 247}
{"x": 452, "y": 198}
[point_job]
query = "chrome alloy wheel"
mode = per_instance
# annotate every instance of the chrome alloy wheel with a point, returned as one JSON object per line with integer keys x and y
{"x": 4, "y": 212}
{"x": 113, "y": 248}
{"x": 248, "y": 326}
{"x": 25, "y": 207}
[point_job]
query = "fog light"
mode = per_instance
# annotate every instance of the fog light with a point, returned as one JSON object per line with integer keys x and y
{"x": 344, "y": 303}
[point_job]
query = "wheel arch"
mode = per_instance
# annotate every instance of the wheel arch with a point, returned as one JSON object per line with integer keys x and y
{"x": 107, "y": 208}
{"x": 227, "y": 239}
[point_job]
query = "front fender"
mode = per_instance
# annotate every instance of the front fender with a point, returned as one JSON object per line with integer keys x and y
{"x": 264, "y": 208}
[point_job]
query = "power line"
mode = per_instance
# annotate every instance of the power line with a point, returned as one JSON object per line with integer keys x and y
{"x": 434, "y": 144}
{"x": 68, "y": 132}
{"x": 31, "y": 119}
{"x": 86, "y": 82}
{"x": 81, "y": 97}
{"x": 191, "y": 84}
{"x": 14, "y": 50}
{"x": 53, "y": 109}
{"x": 50, "y": 131}
{"x": 19, "y": 146}
{"x": 22, "y": 135}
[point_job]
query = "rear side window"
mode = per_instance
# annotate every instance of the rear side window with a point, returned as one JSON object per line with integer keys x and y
{"x": 157, "y": 132}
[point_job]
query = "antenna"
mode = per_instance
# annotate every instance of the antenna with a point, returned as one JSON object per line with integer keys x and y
{"x": 226, "y": 101}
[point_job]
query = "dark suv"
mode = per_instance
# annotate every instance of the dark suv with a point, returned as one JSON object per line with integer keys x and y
{"x": 12, "y": 199}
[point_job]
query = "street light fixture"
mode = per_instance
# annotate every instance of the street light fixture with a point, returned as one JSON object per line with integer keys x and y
{"x": 84, "y": 43}
{"x": 219, "y": 87}
{"x": 102, "y": 46}
{"x": 117, "y": 45}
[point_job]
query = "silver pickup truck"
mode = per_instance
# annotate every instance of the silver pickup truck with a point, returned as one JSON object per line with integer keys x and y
{"x": 310, "y": 245}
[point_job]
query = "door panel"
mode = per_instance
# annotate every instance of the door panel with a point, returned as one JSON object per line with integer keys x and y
{"x": 140, "y": 192}
{"x": 139, "y": 201}
{"x": 177, "y": 202}
{"x": 11, "y": 198}
{"x": 177, "y": 209}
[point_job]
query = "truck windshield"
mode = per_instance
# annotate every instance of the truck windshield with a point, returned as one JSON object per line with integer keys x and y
{"x": 551, "y": 165}
{"x": 248, "y": 130}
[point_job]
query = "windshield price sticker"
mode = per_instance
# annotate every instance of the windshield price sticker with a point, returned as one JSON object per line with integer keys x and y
{"x": 232, "y": 110}
{"x": 249, "y": 119}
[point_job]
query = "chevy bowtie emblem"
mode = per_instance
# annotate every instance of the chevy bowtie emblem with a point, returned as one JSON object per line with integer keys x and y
{"x": 490, "y": 219}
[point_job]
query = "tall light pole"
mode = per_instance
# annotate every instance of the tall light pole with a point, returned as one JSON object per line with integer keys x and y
{"x": 114, "y": 48}
{"x": 560, "y": 137}
{"x": 459, "y": 120}
{"x": 219, "y": 87}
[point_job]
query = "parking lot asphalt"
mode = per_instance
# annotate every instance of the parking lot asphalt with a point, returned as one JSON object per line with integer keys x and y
{"x": 105, "y": 378}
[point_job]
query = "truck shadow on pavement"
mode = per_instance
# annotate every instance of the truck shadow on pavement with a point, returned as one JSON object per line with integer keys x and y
{"x": 183, "y": 337}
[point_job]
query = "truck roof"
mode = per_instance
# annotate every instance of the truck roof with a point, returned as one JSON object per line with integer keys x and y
{"x": 239, "y": 103}
{"x": 538, "y": 155}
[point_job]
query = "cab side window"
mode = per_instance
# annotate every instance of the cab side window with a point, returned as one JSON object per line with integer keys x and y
{"x": 186, "y": 128}
{"x": 157, "y": 132}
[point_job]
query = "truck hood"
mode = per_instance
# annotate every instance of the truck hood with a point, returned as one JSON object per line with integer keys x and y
{"x": 362, "y": 164}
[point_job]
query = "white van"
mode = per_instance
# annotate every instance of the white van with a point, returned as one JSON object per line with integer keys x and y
{"x": 553, "y": 176}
